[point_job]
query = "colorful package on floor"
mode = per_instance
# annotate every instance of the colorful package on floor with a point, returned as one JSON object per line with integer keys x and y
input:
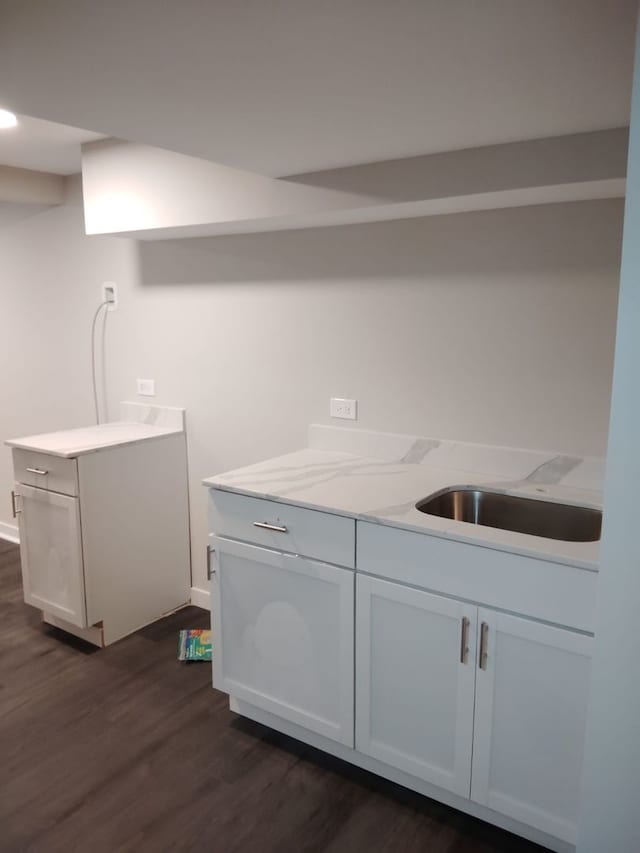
{"x": 194, "y": 644}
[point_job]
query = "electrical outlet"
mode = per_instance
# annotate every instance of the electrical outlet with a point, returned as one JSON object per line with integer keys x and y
{"x": 146, "y": 387}
{"x": 342, "y": 407}
{"x": 110, "y": 295}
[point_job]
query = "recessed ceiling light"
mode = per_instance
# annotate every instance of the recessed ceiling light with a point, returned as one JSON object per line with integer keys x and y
{"x": 7, "y": 119}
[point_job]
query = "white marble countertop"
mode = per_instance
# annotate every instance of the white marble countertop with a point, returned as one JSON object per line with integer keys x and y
{"x": 139, "y": 423}
{"x": 383, "y": 484}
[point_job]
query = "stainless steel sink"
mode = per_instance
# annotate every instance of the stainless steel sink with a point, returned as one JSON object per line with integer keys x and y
{"x": 566, "y": 522}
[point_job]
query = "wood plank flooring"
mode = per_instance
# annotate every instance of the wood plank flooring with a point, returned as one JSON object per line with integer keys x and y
{"x": 126, "y": 749}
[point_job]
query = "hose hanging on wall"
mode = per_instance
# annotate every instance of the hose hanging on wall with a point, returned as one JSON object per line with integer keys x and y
{"x": 93, "y": 356}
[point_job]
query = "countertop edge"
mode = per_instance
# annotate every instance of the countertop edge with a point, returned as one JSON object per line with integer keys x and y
{"x": 76, "y": 452}
{"x": 585, "y": 565}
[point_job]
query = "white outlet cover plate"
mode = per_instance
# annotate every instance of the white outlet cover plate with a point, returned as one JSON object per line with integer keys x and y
{"x": 109, "y": 290}
{"x": 343, "y": 407}
{"x": 146, "y": 387}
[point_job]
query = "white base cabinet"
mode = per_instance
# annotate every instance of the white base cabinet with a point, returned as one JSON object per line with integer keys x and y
{"x": 415, "y": 665}
{"x": 283, "y": 635}
{"x": 456, "y": 699}
{"x": 478, "y": 702}
{"x": 530, "y": 714}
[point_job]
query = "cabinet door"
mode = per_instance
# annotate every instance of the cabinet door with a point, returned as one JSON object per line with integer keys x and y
{"x": 51, "y": 553}
{"x": 531, "y": 705}
{"x": 283, "y": 636}
{"x": 415, "y": 672}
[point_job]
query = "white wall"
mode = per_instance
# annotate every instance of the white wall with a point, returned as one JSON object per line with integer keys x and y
{"x": 494, "y": 327}
{"x": 611, "y": 786}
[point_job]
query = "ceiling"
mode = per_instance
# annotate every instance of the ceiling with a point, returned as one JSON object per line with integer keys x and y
{"x": 43, "y": 146}
{"x": 290, "y": 86}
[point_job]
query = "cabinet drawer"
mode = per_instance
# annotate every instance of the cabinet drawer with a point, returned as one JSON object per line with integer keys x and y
{"x": 308, "y": 532}
{"x": 54, "y": 473}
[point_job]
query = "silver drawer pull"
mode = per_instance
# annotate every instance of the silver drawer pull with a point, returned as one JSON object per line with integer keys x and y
{"x": 37, "y": 471}
{"x": 266, "y": 526}
{"x": 464, "y": 640}
{"x": 484, "y": 646}
{"x": 210, "y": 571}
{"x": 14, "y": 508}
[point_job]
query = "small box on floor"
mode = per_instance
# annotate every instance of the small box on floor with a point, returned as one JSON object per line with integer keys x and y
{"x": 194, "y": 644}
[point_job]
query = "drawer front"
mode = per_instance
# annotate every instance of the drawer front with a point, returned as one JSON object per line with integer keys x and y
{"x": 564, "y": 595}
{"x": 44, "y": 471}
{"x": 307, "y": 532}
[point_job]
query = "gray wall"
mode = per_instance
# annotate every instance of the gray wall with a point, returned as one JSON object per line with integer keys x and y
{"x": 494, "y": 327}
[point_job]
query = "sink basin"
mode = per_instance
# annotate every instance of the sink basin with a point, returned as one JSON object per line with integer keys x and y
{"x": 565, "y": 522}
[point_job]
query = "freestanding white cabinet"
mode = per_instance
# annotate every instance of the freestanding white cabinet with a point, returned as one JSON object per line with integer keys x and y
{"x": 103, "y": 520}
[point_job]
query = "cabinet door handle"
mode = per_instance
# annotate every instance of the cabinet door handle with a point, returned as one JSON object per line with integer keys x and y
{"x": 266, "y": 526}
{"x": 14, "y": 509}
{"x": 484, "y": 645}
{"x": 210, "y": 571}
{"x": 464, "y": 640}
{"x": 37, "y": 471}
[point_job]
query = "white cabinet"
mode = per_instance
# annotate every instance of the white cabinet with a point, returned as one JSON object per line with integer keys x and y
{"x": 51, "y": 553}
{"x": 415, "y": 664}
{"x": 104, "y": 536}
{"x": 452, "y": 693}
{"x": 531, "y": 704}
{"x": 421, "y": 669}
{"x": 283, "y": 635}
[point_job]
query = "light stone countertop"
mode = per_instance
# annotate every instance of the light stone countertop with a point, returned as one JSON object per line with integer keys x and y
{"x": 139, "y": 423}
{"x": 383, "y": 482}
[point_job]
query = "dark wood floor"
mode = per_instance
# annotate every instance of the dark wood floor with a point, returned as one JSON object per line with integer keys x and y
{"x": 125, "y": 749}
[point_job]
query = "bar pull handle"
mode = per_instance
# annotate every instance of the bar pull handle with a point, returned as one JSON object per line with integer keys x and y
{"x": 484, "y": 645}
{"x": 210, "y": 571}
{"x": 37, "y": 471}
{"x": 464, "y": 640}
{"x": 14, "y": 508}
{"x": 266, "y": 526}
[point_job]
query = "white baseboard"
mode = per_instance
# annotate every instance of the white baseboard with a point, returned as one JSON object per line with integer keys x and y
{"x": 9, "y": 532}
{"x": 200, "y": 598}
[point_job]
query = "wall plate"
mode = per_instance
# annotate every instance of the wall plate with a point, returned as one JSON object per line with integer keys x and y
{"x": 343, "y": 407}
